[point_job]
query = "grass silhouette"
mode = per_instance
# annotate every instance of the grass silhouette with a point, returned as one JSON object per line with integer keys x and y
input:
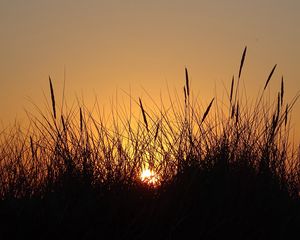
{"x": 223, "y": 171}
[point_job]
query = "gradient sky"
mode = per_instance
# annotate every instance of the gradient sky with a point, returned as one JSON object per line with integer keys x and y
{"x": 109, "y": 45}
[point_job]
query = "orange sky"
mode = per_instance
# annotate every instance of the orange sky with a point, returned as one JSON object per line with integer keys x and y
{"x": 109, "y": 45}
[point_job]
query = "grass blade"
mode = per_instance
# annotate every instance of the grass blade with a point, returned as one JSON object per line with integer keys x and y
{"x": 231, "y": 89}
{"x": 282, "y": 91}
{"x": 32, "y": 148}
{"x": 81, "y": 119}
{"x": 144, "y": 114}
{"x": 207, "y": 110}
{"x": 52, "y": 98}
{"x": 184, "y": 90}
{"x": 242, "y": 61}
{"x": 237, "y": 113}
{"x": 286, "y": 115}
{"x": 156, "y": 132}
{"x": 63, "y": 123}
{"x": 187, "y": 82}
{"x": 270, "y": 76}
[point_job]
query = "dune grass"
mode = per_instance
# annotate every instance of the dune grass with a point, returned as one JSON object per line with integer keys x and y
{"x": 223, "y": 170}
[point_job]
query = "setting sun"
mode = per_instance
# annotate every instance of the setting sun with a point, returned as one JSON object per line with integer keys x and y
{"x": 149, "y": 177}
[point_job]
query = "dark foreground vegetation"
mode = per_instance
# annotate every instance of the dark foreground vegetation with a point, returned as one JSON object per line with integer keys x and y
{"x": 227, "y": 170}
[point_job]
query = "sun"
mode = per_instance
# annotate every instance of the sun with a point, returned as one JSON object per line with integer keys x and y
{"x": 150, "y": 177}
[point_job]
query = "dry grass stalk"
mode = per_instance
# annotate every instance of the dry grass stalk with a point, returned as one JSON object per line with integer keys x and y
{"x": 286, "y": 115}
{"x": 231, "y": 89}
{"x": 81, "y": 119}
{"x": 270, "y": 76}
{"x": 52, "y": 98}
{"x": 232, "y": 111}
{"x": 32, "y": 148}
{"x": 237, "y": 112}
{"x": 242, "y": 61}
{"x": 185, "y": 97}
{"x": 207, "y": 110}
{"x": 144, "y": 114}
{"x": 282, "y": 90}
{"x": 156, "y": 132}
{"x": 278, "y": 103}
{"x": 187, "y": 82}
{"x": 63, "y": 123}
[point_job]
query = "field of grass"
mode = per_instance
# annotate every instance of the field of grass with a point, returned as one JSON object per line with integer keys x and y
{"x": 227, "y": 169}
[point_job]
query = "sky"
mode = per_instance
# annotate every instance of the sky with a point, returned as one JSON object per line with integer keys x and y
{"x": 103, "y": 47}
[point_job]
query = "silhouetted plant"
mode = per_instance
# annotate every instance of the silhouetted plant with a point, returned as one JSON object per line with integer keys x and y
{"x": 217, "y": 167}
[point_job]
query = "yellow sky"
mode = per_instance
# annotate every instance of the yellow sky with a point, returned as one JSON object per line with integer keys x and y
{"x": 109, "y": 45}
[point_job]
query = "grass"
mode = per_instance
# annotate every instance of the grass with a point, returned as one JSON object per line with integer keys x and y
{"x": 223, "y": 170}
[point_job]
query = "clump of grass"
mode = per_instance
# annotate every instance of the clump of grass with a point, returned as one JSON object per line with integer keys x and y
{"x": 218, "y": 167}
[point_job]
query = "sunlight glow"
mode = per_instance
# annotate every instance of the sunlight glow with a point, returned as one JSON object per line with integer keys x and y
{"x": 150, "y": 177}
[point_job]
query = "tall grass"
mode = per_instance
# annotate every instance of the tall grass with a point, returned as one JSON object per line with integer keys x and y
{"x": 238, "y": 152}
